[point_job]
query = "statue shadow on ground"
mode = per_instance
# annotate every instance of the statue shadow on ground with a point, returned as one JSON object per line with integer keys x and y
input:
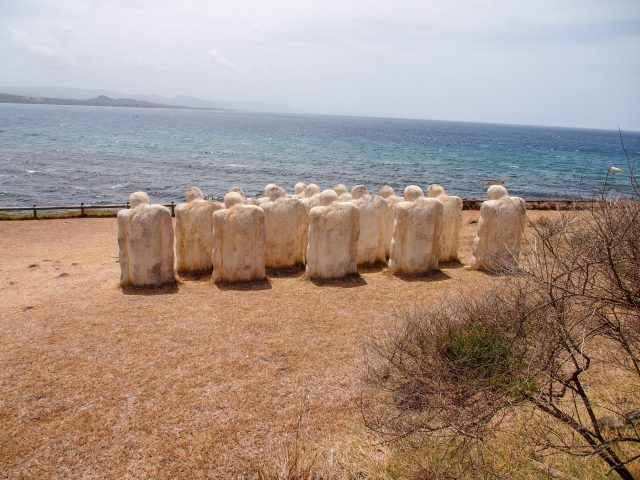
{"x": 430, "y": 276}
{"x": 166, "y": 289}
{"x": 287, "y": 272}
{"x": 202, "y": 276}
{"x": 350, "y": 281}
{"x": 253, "y": 285}
{"x": 372, "y": 267}
{"x": 451, "y": 264}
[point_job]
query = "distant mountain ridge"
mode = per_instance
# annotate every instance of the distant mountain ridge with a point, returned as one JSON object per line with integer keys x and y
{"x": 183, "y": 101}
{"x": 99, "y": 101}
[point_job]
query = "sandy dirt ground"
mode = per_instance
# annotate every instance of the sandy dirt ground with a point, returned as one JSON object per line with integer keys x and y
{"x": 199, "y": 381}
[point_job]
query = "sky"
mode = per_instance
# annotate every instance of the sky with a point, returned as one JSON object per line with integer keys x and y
{"x": 569, "y": 63}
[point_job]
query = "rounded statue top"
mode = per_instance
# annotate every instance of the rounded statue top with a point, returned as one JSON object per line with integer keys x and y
{"x": 327, "y": 197}
{"x": 274, "y": 192}
{"x": 412, "y": 193}
{"x": 435, "y": 190}
{"x": 340, "y": 189}
{"x": 359, "y": 191}
{"x": 233, "y": 198}
{"x": 496, "y": 192}
{"x": 299, "y": 188}
{"x": 269, "y": 187}
{"x": 193, "y": 193}
{"x": 386, "y": 191}
{"x": 138, "y": 198}
{"x": 311, "y": 190}
{"x": 237, "y": 190}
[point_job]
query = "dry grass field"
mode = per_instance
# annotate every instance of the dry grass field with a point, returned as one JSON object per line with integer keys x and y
{"x": 198, "y": 381}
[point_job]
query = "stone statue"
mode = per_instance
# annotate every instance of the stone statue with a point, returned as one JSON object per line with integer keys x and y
{"x": 500, "y": 228}
{"x": 299, "y": 190}
{"x": 334, "y": 228}
{"x": 312, "y": 196}
{"x": 343, "y": 192}
{"x": 412, "y": 193}
{"x": 145, "y": 238}
{"x": 238, "y": 241}
{"x": 194, "y": 232}
{"x": 415, "y": 246}
{"x": 286, "y": 223}
{"x": 371, "y": 239}
{"x": 389, "y": 215}
{"x": 451, "y": 222}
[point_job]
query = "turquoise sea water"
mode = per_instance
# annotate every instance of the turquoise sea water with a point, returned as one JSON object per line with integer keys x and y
{"x": 59, "y": 154}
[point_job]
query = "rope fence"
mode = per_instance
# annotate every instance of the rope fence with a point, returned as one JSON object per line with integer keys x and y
{"x": 468, "y": 204}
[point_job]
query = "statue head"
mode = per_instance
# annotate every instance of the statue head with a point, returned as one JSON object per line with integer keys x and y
{"x": 233, "y": 198}
{"x": 435, "y": 189}
{"x": 387, "y": 191}
{"x": 412, "y": 193}
{"x": 193, "y": 193}
{"x": 340, "y": 189}
{"x": 327, "y": 197}
{"x": 274, "y": 192}
{"x": 298, "y": 188}
{"x": 311, "y": 190}
{"x": 138, "y": 198}
{"x": 359, "y": 191}
{"x": 237, "y": 190}
{"x": 496, "y": 192}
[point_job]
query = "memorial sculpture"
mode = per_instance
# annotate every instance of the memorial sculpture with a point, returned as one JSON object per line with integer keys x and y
{"x": 451, "y": 222}
{"x": 389, "y": 196}
{"x": 299, "y": 190}
{"x": 286, "y": 223}
{"x": 238, "y": 241}
{"x": 412, "y": 193}
{"x": 194, "y": 232}
{"x": 343, "y": 192}
{"x": 500, "y": 228}
{"x": 267, "y": 189}
{"x": 415, "y": 246}
{"x": 312, "y": 196}
{"x": 371, "y": 240}
{"x": 334, "y": 228}
{"x": 145, "y": 238}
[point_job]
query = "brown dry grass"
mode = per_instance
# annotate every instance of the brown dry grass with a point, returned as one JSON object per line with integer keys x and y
{"x": 195, "y": 382}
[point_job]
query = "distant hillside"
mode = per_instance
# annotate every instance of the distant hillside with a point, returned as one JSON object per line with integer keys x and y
{"x": 178, "y": 101}
{"x": 99, "y": 101}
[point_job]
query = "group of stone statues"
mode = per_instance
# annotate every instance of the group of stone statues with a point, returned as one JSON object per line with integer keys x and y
{"x": 331, "y": 232}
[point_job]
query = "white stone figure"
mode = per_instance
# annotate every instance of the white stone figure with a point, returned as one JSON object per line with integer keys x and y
{"x": 299, "y": 190}
{"x": 286, "y": 224}
{"x": 145, "y": 238}
{"x": 343, "y": 192}
{"x": 451, "y": 222}
{"x": 238, "y": 241}
{"x": 194, "y": 232}
{"x": 500, "y": 228}
{"x": 312, "y": 196}
{"x": 334, "y": 228}
{"x": 371, "y": 239}
{"x": 267, "y": 189}
{"x": 238, "y": 190}
{"x": 389, "y": 196}
{"x": 340, "y": 189}
{"x": 415, "y": 246}
{"x": 412, "y": 193}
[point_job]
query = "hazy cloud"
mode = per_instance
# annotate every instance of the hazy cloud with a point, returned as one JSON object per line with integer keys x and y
{"x": 566, "y": 62}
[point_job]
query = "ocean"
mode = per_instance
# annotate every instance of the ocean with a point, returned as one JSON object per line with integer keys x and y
{"x": 66, "y": 154}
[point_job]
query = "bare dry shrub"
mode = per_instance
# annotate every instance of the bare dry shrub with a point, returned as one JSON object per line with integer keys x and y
{"x": 561, "y": 334}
